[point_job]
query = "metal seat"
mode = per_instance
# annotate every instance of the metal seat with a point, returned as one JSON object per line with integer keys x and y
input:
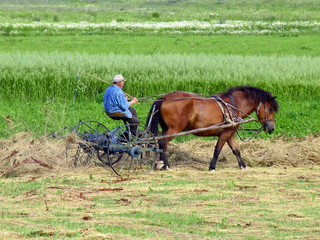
{"x": 117, "y": 116}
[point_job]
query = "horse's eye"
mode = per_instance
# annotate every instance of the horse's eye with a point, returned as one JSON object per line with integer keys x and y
{"x": 270, "y": 110}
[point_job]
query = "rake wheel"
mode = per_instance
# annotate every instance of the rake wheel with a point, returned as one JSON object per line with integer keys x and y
{"x": 83, "y": 149}
{"x": 130, "y": 154}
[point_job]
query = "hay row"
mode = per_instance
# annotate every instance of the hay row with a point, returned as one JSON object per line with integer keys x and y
{"x": 23, "y": 155}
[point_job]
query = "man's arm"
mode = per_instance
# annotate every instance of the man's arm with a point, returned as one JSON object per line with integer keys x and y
{"x": 122, "y": 101}
{"x": 133, "y": 101}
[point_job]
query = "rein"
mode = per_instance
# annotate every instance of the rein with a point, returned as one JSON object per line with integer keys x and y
{"x": 203, "y": 97}
{"x": 257, "y": 131}
{"x": 247, "y": 139}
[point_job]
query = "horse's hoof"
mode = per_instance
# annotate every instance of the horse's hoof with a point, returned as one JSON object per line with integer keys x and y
{"x": 244, "y": 168}
{"x": 167, "y": 168}
{"x": 212, "y": 170}
{"x": 159, "y": 165}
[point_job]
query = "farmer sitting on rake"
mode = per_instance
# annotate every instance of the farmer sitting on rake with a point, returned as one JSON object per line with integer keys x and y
{"x": 117, "y": 105}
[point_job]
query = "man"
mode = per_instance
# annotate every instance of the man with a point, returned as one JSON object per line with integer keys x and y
{"x": 118, "y": 107}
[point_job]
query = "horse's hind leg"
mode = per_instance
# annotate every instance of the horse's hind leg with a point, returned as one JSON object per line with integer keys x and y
{"x": 163, "y": 143}
{"x": 236, "y": 151}
{"x": 163, "y": 155}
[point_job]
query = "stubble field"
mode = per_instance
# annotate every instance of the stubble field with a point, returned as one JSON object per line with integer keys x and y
{"x": 276, "y": 198}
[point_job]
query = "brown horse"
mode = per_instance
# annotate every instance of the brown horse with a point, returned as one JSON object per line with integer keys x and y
{"x": 183, "y": 111}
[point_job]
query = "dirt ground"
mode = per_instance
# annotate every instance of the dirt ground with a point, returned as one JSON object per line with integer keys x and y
{"x": 22, "y": 154}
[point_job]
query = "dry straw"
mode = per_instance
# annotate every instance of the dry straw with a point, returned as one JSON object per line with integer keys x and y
{"x": 24, "y": 155}
{"x": 258, "y": 152}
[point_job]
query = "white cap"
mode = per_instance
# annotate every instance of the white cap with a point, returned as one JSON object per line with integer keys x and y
{"x": 118, "y": 78}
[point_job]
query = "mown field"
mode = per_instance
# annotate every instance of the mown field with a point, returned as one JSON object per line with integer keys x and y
{"x": 159, "y": 46}
{"x": 260, "y": 203}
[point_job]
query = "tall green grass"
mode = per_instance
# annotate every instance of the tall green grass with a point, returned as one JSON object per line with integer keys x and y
{"x": 37, "y": 90}
{"x": 54, "y": 76}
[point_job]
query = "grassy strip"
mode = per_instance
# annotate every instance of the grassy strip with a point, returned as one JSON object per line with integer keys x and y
{"x": 259, "y": 203}
{"x": 161, "y": 10}
{"x": 140, "y": 44}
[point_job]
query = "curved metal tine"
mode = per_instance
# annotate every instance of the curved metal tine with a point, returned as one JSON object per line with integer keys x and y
{"x": 123, "y": 137}
{"x": 145, "y": 139}
{"x": 90, "y": 127}
{"x": 87, "y": 125}
{"x": 122, "y": 163}
{"x": 132, "y": 165}
{"x": 116, "y": 159}
{"x": 103, "y": 127}
{"x": 141, "y": 140}
{"x": 82, "y": 154}
{"x": 102, "y": 156}
{"x": 140, "y": 164}
{"x": 150, "y": 162}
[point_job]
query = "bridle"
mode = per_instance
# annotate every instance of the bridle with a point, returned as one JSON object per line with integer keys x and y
{"x": 257, "y": 131}
{"x": 266, "y": 109}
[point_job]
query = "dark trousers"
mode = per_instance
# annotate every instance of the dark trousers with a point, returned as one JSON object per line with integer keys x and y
{"x": 134, "y": 121}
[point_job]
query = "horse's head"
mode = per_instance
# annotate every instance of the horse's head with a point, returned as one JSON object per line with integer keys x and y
{"x": 265, "y": 112}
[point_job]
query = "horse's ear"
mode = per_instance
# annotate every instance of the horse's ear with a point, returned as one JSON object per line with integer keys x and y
{"x": 275, "y": 106}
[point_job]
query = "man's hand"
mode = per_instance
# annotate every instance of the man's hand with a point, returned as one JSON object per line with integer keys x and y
{"x": 133, "y": 101}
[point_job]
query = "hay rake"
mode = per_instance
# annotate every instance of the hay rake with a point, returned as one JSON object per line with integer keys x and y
{"x": 118, "y": 149}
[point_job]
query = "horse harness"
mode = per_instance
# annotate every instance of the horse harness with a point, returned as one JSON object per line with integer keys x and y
{"x": 228, "y": 110}
{"x": 230, "y": 115}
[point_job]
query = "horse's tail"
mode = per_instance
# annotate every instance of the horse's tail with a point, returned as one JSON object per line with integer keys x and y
{"x": 155, "y": 118}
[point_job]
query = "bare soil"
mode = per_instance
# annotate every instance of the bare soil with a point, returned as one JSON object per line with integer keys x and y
{"x": 22, "y": 154}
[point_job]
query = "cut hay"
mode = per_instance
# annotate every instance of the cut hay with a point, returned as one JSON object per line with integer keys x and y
{"x": 24, "y": 155}
{"x": 257, "y": 152}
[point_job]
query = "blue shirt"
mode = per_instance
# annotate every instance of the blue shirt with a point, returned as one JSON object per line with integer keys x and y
{"x": 114, "y": 100}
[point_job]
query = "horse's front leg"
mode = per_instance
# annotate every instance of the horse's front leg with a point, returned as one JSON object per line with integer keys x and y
{"x": 236, "y": 151}
{"x": 217, "y": 150}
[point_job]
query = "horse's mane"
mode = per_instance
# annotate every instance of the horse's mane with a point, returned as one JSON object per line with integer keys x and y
{"x": 256, "y": 94}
